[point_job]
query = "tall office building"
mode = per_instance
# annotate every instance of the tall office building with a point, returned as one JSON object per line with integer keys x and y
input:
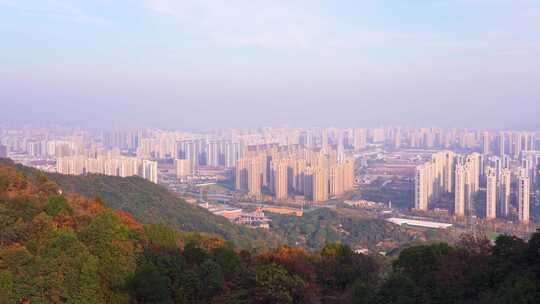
{"x": 3, "y": 151}
{"x": 191, "y": 150}
{"x": 72, "y": 165}
{"x": 491, "y": 194}
{"x": 182, "y": 167}
{"x": 213, "y": 154}
{"x": 529, "y": 163}
{"x": 429, "y": 139}
{"x": 279, "y": 179}
{"x": 299, "y": 169}
{"x": 502, "y": 144}
{"x": 470, "y": 186}
{"x": 320, "y": 185}
{"x": 523, "y": 196}
{"x": 528, "y": 144}
{"x": 474, "y": 163}
{"x": 534, "y": 174}
{"x": 459, "y": 203}
{"x": 339, "y": 139}
{"x": 517, "y": 144}
{"x": 438, "y": 161}
{"x": 448, "y": 178}
{"x": 149, "y": 170}
{"x": 336, "y": 180}
{"x": 129, "y": 166}
{"x": 254, "y": 176}
{"x": 348, "y": 175}
{"x": 467, "y": 174}
{"x": 324, "y": 139}
{"x": 241, "y": 175}
{"x": 421, "y": 188}
{"x": 504, "y": 191}
{"x": 396, "y": 142}
{"x": 360, "y": 139}
{"x": 378, "y": 135}
{"x": 232, "y": 153}
{"x": 308, "y": 183}
{"x": 309, "y": 141}
{"x": 413, "y": 139}
{"x": 486, "y": 143}
{"x": 146, "y": 148}
{"x": 433, "y": 178}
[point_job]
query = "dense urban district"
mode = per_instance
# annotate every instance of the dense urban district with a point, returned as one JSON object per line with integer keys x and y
{"x": 459, "y": 179}
{"x": 274, "y": 215}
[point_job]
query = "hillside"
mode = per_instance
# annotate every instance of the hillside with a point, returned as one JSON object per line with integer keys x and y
{"x": 65, "y": 248}
{"x": 316, "y": 228}
{"x": 150, "y": 203}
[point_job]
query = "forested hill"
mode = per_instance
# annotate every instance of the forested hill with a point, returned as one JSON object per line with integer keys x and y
{"x": 66, "y": 248}
{"x": 150, "y": 203}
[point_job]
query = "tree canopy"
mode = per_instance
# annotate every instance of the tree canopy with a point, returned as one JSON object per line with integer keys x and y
{"x": 66, "y": 248}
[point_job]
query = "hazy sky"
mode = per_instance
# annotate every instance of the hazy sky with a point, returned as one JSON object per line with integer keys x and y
{"x": 243, "y": 63}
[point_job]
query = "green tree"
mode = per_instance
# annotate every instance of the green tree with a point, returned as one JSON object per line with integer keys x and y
{"x": 161, "y": 236}
{"x": 151, "y": 285}
{"x": 71, "y": 271}
{"x": 339, "y": 267}
{"x": 45, "y": 185}
{"x": 211, "y": 277}
{"x": 418, "y": 261}
{"x": 6, "y": 286}
{"x": 399, "y": 289}
{"x": 56, "y": 205}
{"x": 112, "y": 243}
{"x": 275, "y": 285}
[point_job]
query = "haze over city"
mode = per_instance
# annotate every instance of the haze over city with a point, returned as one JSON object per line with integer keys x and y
{"x": 270, "y": 151}
{"x": 217, "y": 64}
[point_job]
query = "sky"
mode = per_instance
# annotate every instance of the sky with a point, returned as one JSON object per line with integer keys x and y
{"x": 207, "y": 64}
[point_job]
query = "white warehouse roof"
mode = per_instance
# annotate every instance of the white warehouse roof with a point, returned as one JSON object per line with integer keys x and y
{"x": 419, "y": 223}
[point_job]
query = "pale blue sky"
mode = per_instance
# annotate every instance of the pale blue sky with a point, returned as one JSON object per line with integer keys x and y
{"x": 194, "y": 64}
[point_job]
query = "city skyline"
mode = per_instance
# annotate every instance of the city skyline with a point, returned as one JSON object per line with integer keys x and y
{"x": 448, "y": 181}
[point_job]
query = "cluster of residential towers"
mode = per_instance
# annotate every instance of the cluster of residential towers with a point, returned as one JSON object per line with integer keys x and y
{"x": 507, "y": 170}
{"x": 317, "y": 174}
